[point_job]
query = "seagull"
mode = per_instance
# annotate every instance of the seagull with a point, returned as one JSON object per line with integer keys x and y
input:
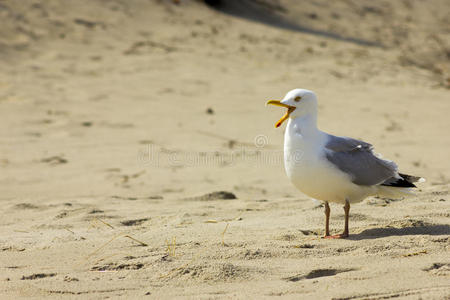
{"x": 333, "y": 168}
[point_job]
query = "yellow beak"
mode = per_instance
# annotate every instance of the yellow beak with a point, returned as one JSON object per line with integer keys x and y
{"x": 286, "y": 115}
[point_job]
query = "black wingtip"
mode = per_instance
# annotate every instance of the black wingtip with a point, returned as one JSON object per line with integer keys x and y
{"x": 406, "y": 181}
{"x": 411, "y": 178}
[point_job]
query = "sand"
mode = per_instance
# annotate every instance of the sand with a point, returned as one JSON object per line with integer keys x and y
{"x": 138, "y": 159}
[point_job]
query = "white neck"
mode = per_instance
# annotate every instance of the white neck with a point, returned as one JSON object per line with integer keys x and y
{"x": 305, "y": 125}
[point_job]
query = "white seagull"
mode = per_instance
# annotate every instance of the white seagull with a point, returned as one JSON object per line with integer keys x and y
{"x": 332, "y": 168}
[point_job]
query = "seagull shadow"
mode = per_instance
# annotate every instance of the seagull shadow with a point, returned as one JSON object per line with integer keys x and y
{"x": 270, "y": 14}
{"x": 375, "y": 233}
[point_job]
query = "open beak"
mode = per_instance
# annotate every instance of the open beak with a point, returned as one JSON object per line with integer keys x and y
{"x": 286, "y": 115}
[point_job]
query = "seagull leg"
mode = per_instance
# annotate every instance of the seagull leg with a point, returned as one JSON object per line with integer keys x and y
{"x": 347, "y": 211}
{"x": 345, "y": 233}
{"x": 327, "y": 219}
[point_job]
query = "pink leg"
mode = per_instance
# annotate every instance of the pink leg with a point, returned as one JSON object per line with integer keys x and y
{"x": 345, "y": 233}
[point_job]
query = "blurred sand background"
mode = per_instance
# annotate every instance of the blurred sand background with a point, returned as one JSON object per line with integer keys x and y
{"x": 122, "y": 122}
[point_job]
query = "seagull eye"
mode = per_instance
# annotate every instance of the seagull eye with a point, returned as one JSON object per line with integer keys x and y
{"x": 298, "y": 98}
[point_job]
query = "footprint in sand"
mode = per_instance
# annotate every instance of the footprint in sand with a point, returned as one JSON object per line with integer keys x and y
{"x": 38, "y": 276}
{"x": 440, "y": 269}
{"x": 317, "y": 273}
{"x": 135, "y": 222}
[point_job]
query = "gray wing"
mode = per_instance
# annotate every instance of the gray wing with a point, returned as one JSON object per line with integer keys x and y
{"x": 357, "y": 159}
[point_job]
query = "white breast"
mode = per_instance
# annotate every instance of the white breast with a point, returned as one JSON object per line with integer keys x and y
{"x": 310, "y": 171}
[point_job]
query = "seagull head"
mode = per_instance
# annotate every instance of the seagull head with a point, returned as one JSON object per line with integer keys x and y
{"x": 299, "y": 102}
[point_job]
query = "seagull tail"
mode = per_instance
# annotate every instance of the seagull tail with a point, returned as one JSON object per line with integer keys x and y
{"x": 394, "y": 192}
{"x": 403, "y": 181}
{"x": 412, "y": 178}
{"x": 399, "y": 187}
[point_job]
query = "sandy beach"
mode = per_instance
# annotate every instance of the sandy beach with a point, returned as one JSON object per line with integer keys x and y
{"x": 138, "y": 158}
